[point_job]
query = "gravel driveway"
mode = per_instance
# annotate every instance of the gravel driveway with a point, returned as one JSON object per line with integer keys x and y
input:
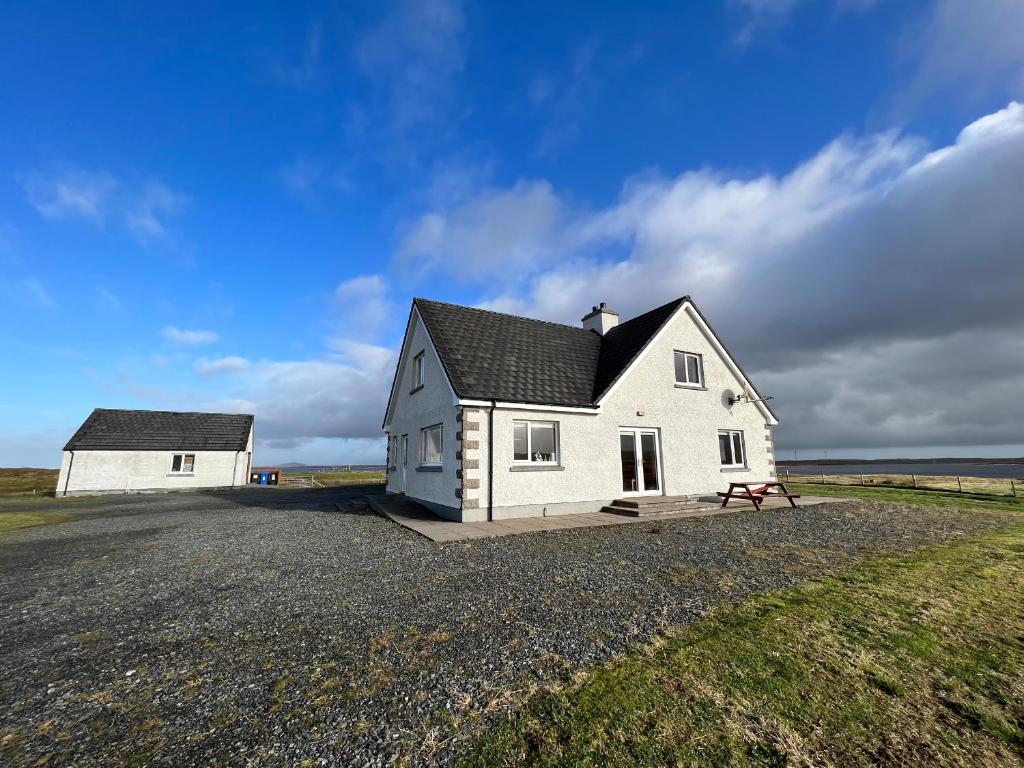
{"x": 269, "y": 628}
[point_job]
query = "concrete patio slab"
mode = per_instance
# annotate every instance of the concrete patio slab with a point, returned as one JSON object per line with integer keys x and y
{"x": 415, "y": 517}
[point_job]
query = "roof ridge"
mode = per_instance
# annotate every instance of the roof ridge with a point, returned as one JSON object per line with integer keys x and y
{"x": 499, "y": 314}
{"x": 176, "y": 413}
{"x": 642, "y": 315}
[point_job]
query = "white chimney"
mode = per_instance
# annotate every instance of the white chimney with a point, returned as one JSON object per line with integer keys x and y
{"x": 601, "y": 319}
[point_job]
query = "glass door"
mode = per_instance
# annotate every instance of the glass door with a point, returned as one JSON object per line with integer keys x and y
{"x": 641, "y": 464}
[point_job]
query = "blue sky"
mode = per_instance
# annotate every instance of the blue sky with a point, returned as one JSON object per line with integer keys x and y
{"x": 231, "y": 208}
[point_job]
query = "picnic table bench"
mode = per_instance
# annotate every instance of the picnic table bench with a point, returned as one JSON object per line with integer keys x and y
{"x": 757, "y": 495}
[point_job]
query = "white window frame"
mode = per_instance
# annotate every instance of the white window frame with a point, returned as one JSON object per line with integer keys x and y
{"x": 733, "y": 434}
{"x": 529, "y": 443}
{"x": 417, "y": 370}
{"x": 181, "y": 466}
{"x": 699, "y": 384}
{"x": 423, "y": 446}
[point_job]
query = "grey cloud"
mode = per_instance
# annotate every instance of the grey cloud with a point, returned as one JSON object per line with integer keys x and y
{"x": 871, "y": 274}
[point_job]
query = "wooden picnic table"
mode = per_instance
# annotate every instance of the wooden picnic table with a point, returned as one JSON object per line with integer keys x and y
{"x": 757, "y": 495}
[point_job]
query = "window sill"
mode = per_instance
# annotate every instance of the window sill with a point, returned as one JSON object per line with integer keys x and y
{"x": 181, "y": 474}
{"x": 536, "y": 468}
{"x": 735, "y": 469}
{"x": 699, "y": 387}
{"x": 430, "y": 468}
{"x": 414, "y": 390}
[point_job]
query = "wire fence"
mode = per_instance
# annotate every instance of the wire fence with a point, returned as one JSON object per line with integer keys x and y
{"x": 993, "y": 486}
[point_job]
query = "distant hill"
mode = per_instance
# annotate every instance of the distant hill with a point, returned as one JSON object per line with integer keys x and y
{"x": 292, "y": 465}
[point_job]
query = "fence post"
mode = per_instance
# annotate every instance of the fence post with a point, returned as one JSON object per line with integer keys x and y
{"x": 915, "y": 480}
{"x": 959, "y": 485}
{"x": 862, "y": 478}
{"x": 823, "y": 477}
{"x": 1013, "y": 488}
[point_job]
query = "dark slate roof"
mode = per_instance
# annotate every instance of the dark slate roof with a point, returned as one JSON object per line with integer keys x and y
{"x": 109, "y": 429}
{"x": 624, "y": 342}
{"x": 492, "y": 356}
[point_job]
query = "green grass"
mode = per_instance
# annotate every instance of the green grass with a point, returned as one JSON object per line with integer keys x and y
{"x": 900, "y": 660}
{"x": 342, "y": 478}
{"x": 12, "y": 521}
{"x": 23, "y": 481}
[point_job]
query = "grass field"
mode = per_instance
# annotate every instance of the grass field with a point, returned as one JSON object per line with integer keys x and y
{"x": 24, "y": 481}
{"x": 993, "y": 485}
{"x": 333, "y": 479}
{"x": 901, "y": 660}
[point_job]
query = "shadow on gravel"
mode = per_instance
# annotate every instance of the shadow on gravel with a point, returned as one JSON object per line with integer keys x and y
{"x": 289, "y": 498}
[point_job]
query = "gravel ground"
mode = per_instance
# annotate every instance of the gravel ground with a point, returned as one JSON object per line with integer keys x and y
{"x": 268, "y": 628}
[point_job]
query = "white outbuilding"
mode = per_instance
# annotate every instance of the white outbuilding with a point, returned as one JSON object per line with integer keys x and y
{"x": 125, "y": 451}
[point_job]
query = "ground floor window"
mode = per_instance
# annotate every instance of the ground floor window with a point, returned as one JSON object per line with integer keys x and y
{"x": 535, "y": 442}
{"x": 430, "y": 445}
{"x": 183, "y": 462}
{"x": 730, "y": 447}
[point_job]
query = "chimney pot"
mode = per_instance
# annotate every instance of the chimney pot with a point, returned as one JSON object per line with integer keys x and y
{"x": 601, "y": 319}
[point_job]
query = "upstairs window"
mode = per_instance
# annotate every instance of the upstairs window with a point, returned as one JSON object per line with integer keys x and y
{"x": 417, "y": 371}
{"x": 535, "y": 442}
{"x": 183, "y": 463}
{"x": 731, "y": 449}
{"x": 431, "y": 443}
{"x": 689, "y": 369}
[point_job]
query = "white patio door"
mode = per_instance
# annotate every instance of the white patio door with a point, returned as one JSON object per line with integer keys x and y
{"x": 641, "y": 461}
{"x": 403, "y": 467}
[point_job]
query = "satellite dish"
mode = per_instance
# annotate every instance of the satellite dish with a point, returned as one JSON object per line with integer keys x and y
{"x": 728, "y": 398}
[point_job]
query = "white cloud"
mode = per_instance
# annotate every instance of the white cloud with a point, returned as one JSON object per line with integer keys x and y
{"x": 76, "y": 193}
{"x": 143, "y": 208}
{"x": 185, "y": 338}
{"x": 870, "y": 245}
{"x": 305, "y": 178}
{"x": 965, "y": 49}
{"x": 145, "y": 215}
{"x": 500, "y": 228}
{"x": 411, "y": 58}
{"x": 363, "y": 308}
{"x": 302, "y": 400}
{"x": 33, "y": 293}
{"x": 211, "y": 368}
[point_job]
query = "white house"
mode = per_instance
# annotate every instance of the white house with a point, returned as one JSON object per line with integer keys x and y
{"x": 495, "y": 416}
{"x": 119, "y": 451}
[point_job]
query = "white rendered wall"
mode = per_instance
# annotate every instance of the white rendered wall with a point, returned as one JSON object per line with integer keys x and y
{"x": 688, "y": 420}
{"x": 431, "y": 404}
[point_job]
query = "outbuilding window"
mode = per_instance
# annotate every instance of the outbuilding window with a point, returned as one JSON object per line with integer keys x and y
{"x": 535, "y": 442}
{"x": 183, "y": 463}
{"x": 431, "y": 445}
{"x": 731, "y": 449}
{"x": 689, "y": 369}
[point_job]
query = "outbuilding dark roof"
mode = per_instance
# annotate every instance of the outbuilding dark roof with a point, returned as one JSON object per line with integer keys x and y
{"x": 493, "y": 356}
{"x": 109, "y": 429}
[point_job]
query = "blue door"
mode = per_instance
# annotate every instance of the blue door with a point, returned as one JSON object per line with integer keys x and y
{"x": 263, "y": 478}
